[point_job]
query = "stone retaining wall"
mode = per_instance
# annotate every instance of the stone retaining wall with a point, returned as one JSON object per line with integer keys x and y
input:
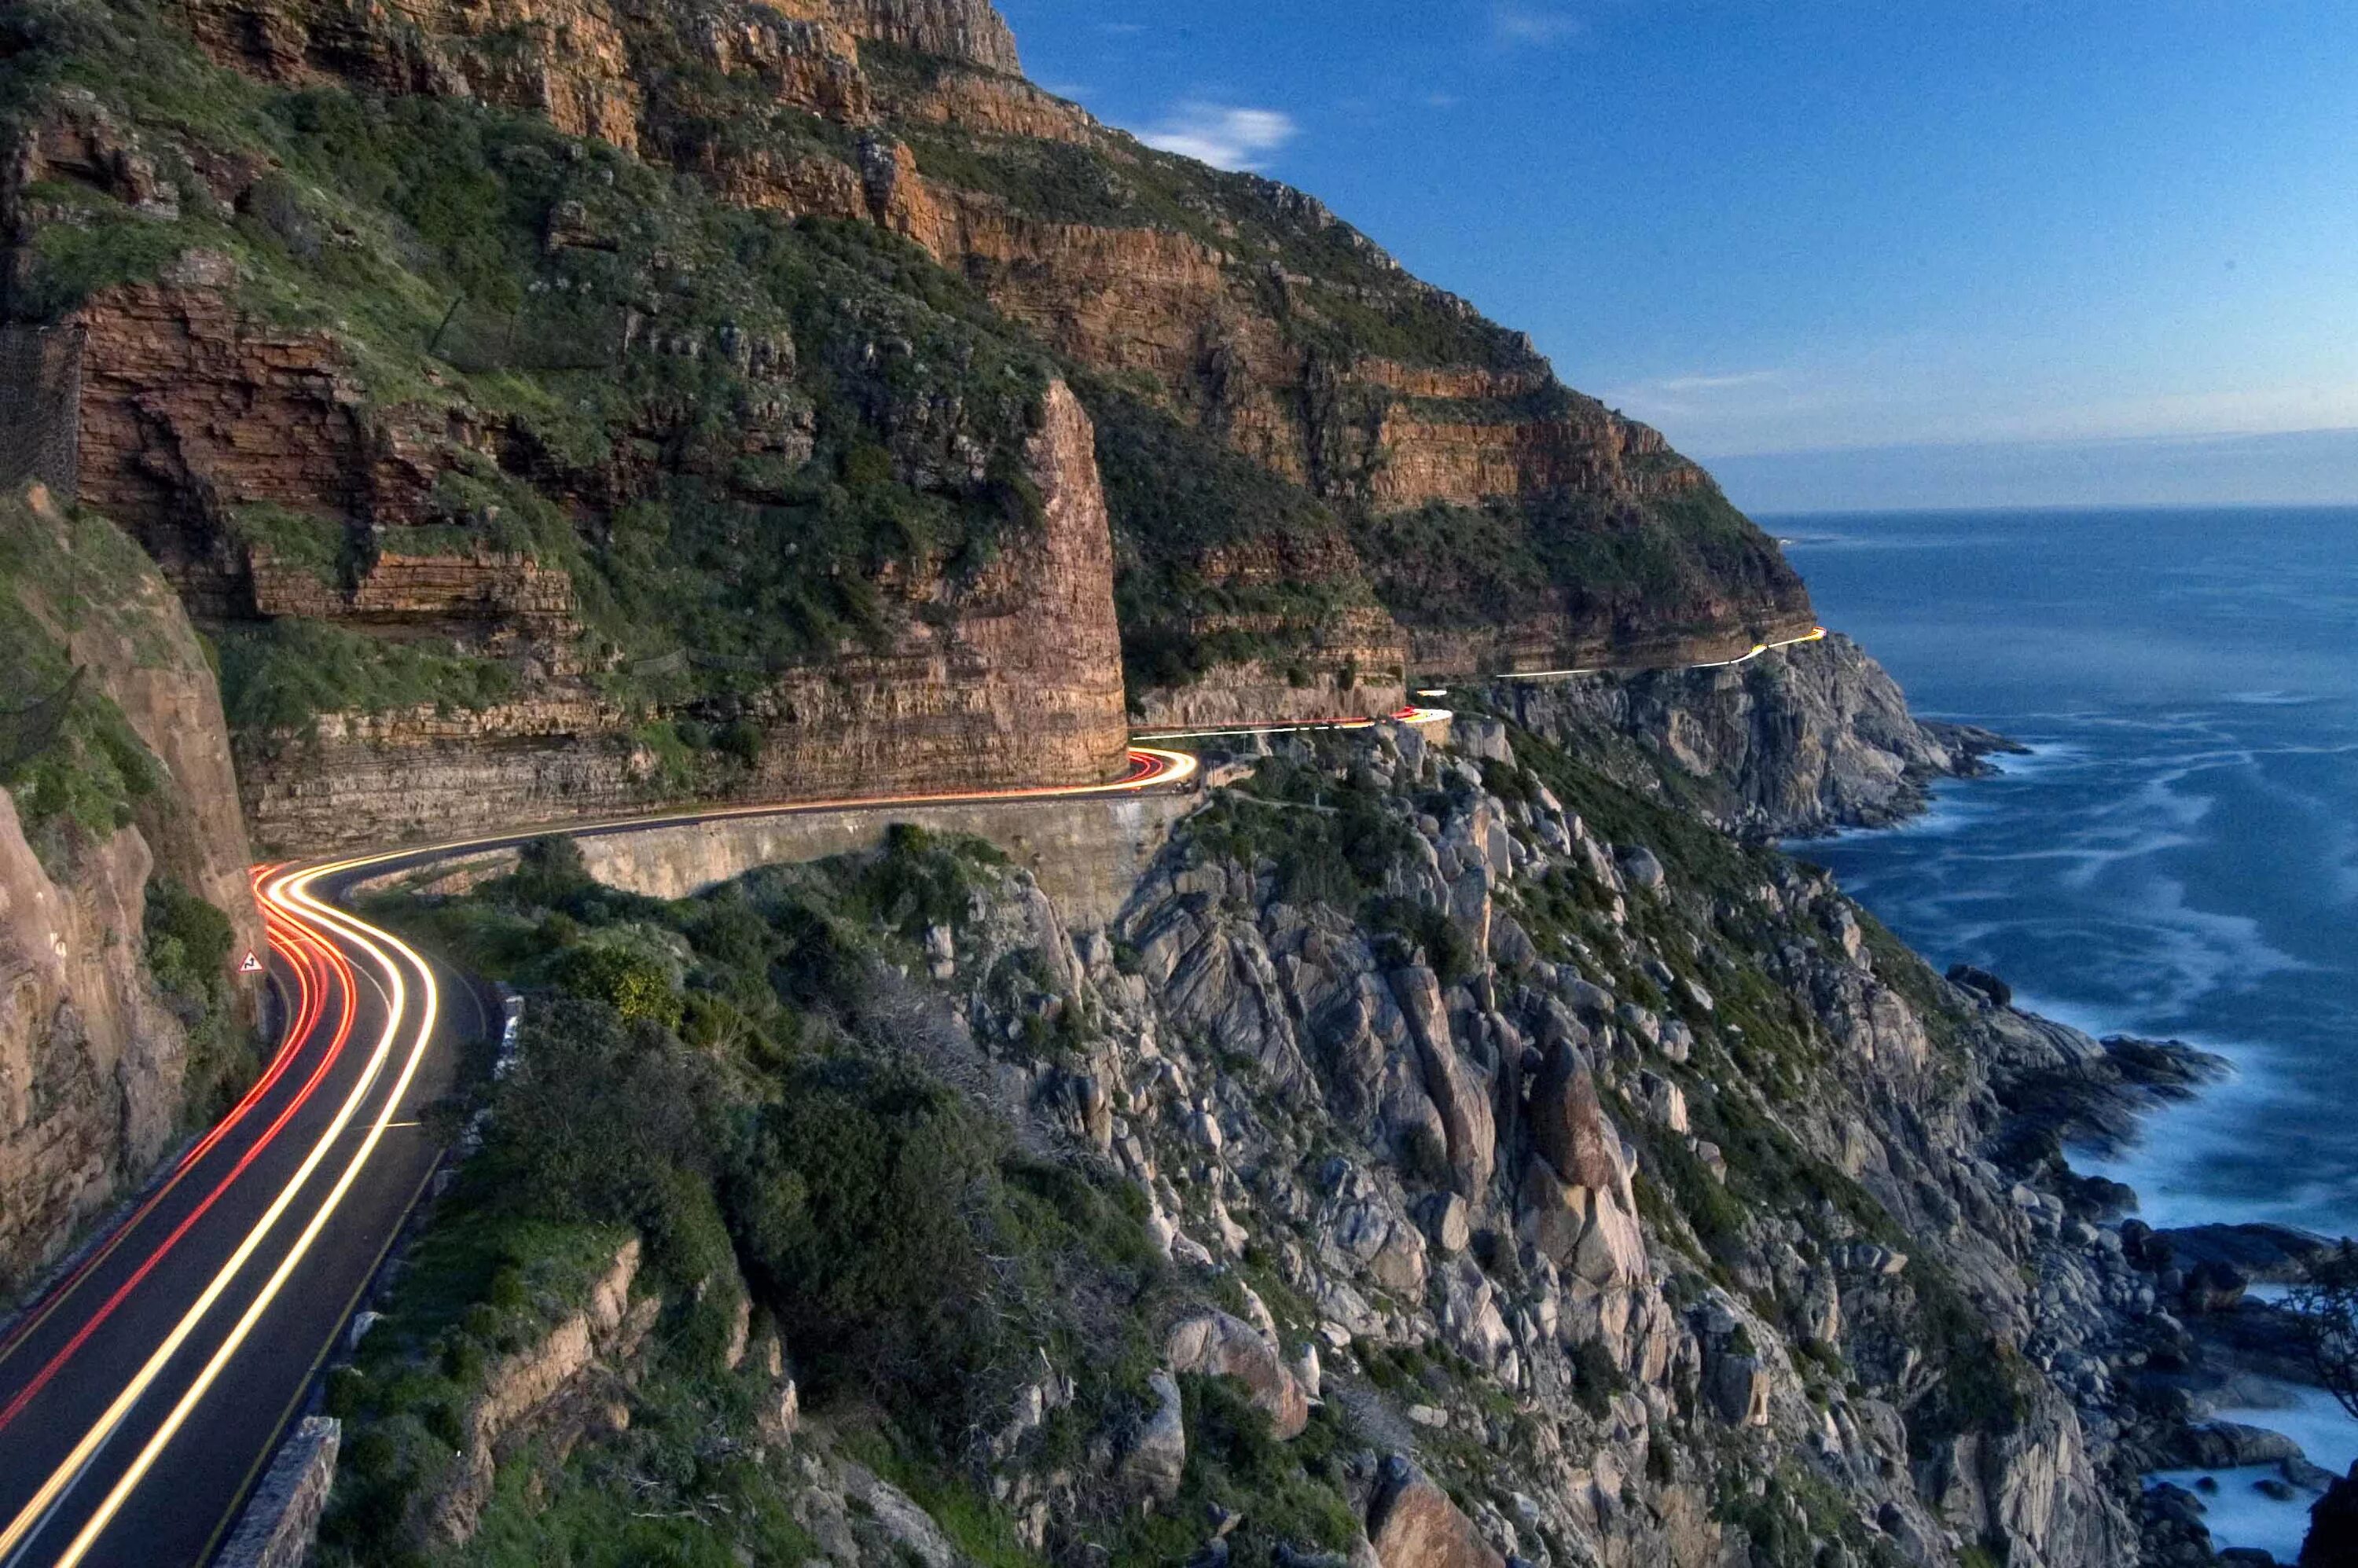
{"x": 283, "y": 1519}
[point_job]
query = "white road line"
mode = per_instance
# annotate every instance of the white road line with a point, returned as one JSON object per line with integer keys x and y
{"x": 361, "y": 935}
{"x": 63, "y": 1477}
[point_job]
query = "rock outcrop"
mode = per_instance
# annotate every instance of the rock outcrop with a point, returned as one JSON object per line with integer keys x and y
{"x": 519, "y": 1394}
{"x": 95, "y": 1057}
{"x": 1801, "y": 741}
{"x": 1217, "y": 1345}
{"x": 1412, "y": 1524}
{"x": 1345, "y": 474}
{"x": 1012, "y": 679}
{"x": 1620, "y": 1192}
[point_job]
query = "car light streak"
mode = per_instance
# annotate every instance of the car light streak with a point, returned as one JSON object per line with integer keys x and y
{"x": 291, "y": 945}
{"x": 366, "y": 938}
{"x": 329, "y": 953}
{"x": 307, "y": 923}
{"x": 1419, "y": 715}
{"x": 319, "y": 1075}
{"x": 301, "y": 908}
{"x": 1815, "y": 635}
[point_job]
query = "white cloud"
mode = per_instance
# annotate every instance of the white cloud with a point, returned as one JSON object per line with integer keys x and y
{"x": 1222, "y": 134}
{"x": 1514, "y": 23}
{"x": 1713, "y": 382}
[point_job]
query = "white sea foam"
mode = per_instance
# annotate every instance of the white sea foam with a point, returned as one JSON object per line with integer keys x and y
{"x": 2238, "y": 1515}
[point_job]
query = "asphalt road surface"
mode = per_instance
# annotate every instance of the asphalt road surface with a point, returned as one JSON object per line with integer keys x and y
{"x": 143, "y": 1394}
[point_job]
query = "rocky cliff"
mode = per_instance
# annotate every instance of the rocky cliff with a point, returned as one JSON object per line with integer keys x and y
{"x": 1010, "y": 678}
{"x": 1444, "y": 1158}
{"x": 1800, "y": 742}
{"x": 123, "y": 901}
{"x": 411, "y": 351}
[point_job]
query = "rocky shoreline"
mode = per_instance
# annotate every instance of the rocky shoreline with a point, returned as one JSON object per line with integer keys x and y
{"x": 2153, "y": 1330}
{"x": 2150, "y": 1331}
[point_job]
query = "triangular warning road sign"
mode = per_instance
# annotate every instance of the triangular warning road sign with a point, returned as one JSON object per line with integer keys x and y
{"x": 250, "y": 966}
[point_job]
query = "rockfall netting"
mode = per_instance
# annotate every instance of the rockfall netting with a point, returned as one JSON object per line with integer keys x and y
{"x": 40, "y": 408}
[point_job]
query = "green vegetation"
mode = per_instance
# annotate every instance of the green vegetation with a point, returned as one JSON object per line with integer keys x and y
{"x": 189, "y": 951}
{"x": 319, "y": 545}
{"x": 1176, "y": 494}
{"x": 68, "y": 755}
{"x": 768, "y": 420}
{"x": 1671, "y": 565}
{"x": 743, "y": 1080}
{"x": 278, "y": 677}
{"x": 1328, "y": 841}
{"x": 1353, "y": 302}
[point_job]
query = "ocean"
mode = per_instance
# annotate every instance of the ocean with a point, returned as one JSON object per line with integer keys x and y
{"x": 2177, "y": 857}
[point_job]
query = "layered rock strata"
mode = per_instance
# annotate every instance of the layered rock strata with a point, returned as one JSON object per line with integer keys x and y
{"x": 1245, "y": 311}
{"x": 1014, "y": 680}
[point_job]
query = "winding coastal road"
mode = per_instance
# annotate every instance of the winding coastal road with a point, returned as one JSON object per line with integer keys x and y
{"x": 144, "y": 1392}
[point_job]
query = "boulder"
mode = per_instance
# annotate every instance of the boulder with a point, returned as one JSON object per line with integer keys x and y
{"x": 1641, "y": 869}
{"x": 1568, "y": 1123}
{"x": 2228, "y": 1444}
{"x": 1738, "y": 1386}
{"x": 1412, "y": 1524}
{"x": 1478, "y": 735}
{"x": 2214, "y": 1285}
{"x": 1583, "y": 1230}
{"x": 1456, "y": 1088}
{"x": 1664, "y": 1101}
{"x": 1993, "y": 990}
{"x": 1448, "y": 1223}
{"x": 1216, "y": 1344}
{"x": 2333, "y": 1527}
{"x": 1158, "y": 1456}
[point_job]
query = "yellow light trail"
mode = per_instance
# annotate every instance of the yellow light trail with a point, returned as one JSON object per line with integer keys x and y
{"x": 291, "y": 896}
{"x": 1817, "y": 634}
{"x": 298, "y": 890}
{"x": 34, "y": 1510}
{"x": 1418, "y": 716}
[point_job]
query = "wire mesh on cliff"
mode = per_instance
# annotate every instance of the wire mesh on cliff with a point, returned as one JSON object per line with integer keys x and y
{"x": 40, "y": 408}
{"x": 30, "y": 729}
{"x": 544, "y": 334}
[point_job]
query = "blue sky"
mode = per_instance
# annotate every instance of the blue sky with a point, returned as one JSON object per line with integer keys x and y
{"x": 1795, "y": 229}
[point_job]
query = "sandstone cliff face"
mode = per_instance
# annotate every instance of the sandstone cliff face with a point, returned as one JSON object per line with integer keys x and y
{"x": 1012, "y": 679}
{"x": 1244, "y": 313}
{"x": 90, "y": 1060}
{"x": 94, "y": 1056}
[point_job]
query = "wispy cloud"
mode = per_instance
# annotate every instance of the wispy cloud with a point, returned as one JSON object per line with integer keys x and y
{"x": 1222, "y": 134}
{"x": 1512, "y": 22}
{"x": 1719, "y": 383}
{"x": 1716, "y": 391}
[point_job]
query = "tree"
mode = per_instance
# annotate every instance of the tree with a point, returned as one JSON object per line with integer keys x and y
{"x": 2326, "y": 1305}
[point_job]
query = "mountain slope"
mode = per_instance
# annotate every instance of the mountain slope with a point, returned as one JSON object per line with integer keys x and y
{"x": 559, "y": 397}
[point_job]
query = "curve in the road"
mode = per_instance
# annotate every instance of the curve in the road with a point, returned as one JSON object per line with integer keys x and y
{"x": 157, "y": 1361}
{"x": 104, "y": 1441}
{"x": 1815, "y": 635}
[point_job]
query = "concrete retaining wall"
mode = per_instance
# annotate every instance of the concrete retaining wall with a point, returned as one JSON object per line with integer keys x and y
{"x": 1086, "y": 854}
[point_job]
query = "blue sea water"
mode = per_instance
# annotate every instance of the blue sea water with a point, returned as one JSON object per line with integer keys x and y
{"x": 2177, "y": 855}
